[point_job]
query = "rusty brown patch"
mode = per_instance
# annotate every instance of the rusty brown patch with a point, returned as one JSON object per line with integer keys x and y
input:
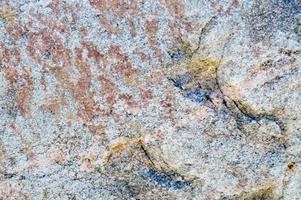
{"x": 24, "y": 93}
{"x": 45, "y": 45}
{"x": 54, "y": 104}
{"x": 291, "y": 166}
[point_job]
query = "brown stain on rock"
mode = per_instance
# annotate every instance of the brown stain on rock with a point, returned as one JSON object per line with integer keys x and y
{"x": 291, "y": 166}
{"x": 204, "y": 72}
{"x": 24, "y": 92}
{"x": 121, "y": 145}
{"x": 54, "y": 104}
{"x": 266, "y": 192}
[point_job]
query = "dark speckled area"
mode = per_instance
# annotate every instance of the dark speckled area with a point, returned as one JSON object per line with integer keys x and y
{"x": 165, "y": 180}
{"x": 273, "y": 15}
{"x": 196, "y": 95}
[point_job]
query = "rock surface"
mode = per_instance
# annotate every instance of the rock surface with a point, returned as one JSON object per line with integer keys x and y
{"x": 158, "y": 99}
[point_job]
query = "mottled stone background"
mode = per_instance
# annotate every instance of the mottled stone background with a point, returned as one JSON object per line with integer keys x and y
{"x": 150, "y": 99}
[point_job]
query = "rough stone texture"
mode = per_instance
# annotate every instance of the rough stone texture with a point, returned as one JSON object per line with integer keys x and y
{"x": 157, "y": 99}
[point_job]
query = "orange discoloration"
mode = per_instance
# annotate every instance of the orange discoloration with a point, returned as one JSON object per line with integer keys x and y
{"x": 88, "y": 108}
{"x": 96, "y": 129}
{"x": 99, "y": 4}
{"x": 133, "y": 79}
{"x": 175, "y": 7}
{"x": 106, "y": 83}
{"x": 144, "y": 57}
{"x": 55, "y": 104}
{"x": 94, "y": 53}
{"x": 118, "y": 9}
{"x": 9, "y": 57}
{"x": 15, "y": 31}
{"x": 24, "y": 93}
{"x": 109, "y": 89}
{"x": 115, "y": 51}
{"x": 151, "y": 26}
{"x": 146, "y": 94}
{"x": 133, "y": 106}
{"x": 121, "y": 145}
{"x": 79, "y": 87}
{"x": 60, "y": 22}
{"x": 72, "y": 66}
{"x": 45, "y": 44}
{"x": 11, "y": 74}
{"x": 124, "y": 69}
{"x": 174, "y": 29}
{"x": 158, "y": 54}
{"x": 109, "y": 26}
{"x": 151, "y": 30}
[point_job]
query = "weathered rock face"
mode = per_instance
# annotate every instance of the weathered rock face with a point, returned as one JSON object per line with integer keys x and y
{"x": 167, "y": 99}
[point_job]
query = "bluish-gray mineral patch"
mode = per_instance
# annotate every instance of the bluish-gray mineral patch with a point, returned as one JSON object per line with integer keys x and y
{"x": 165, "y": 180}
